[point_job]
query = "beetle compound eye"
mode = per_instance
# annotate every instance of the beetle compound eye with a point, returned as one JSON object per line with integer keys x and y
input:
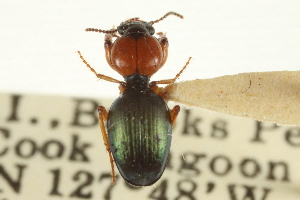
{"x": 151, "y": 29}
{"x": 121, "y": 32}
{"x": 122, "y": 28}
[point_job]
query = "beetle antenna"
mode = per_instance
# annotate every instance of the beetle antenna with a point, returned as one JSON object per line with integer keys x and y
{"x": 166, "y": 15}
{"x": 101, "y": 31}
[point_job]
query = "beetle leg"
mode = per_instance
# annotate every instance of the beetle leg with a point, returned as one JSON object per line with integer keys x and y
{"x": 163, "y": 40}
{"x": 101, "y": 76}
{"x": 122, "y": 87}
{"x": 157, "y": 90}
{"x": 108, "y": 44}
{"x": 103, "y": 114}
{"x": 174, "y": 113}
{"x": 169, "y": 81}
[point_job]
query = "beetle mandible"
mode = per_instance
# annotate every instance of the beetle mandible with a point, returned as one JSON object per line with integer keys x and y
{"x": 139, "y": 122}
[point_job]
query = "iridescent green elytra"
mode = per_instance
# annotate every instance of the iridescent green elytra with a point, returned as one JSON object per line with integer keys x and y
{"x": 139, "y": 131}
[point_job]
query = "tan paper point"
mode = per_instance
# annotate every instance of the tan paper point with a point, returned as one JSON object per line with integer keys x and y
{"x": 265, "y": 96}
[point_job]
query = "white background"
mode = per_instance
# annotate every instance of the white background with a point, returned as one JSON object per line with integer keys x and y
{"x": 38, "y": 41}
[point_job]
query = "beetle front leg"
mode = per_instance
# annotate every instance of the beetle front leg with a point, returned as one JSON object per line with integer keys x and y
{"x": 108, "y": 44}
{"x": 163, "y": 40}
{"x": 101, "y": 76}
{"x": 103, "y": 115}
{"x": 174, "y": 113}
{"x": 170, "y": 81}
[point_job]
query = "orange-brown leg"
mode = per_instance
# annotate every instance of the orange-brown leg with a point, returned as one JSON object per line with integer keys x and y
{"x": 163, "y": 40}
{"x": 169, "y": 81}
{"x": 158, "y": 90}
{"x": 101, "y": 76}
{"x": 108, "y": 44}
{"x": 103, "y": 118}
{"x": 174, "y": 113}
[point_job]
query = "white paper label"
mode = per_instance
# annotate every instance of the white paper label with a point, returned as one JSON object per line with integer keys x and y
{"x": 51, "y": 147}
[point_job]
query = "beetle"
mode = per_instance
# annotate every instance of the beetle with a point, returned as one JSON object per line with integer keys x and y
{"x": 139, "y": 122}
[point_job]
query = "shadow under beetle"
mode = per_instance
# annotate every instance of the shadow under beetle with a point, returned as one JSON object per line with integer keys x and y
{"x": 139, "y": 122}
